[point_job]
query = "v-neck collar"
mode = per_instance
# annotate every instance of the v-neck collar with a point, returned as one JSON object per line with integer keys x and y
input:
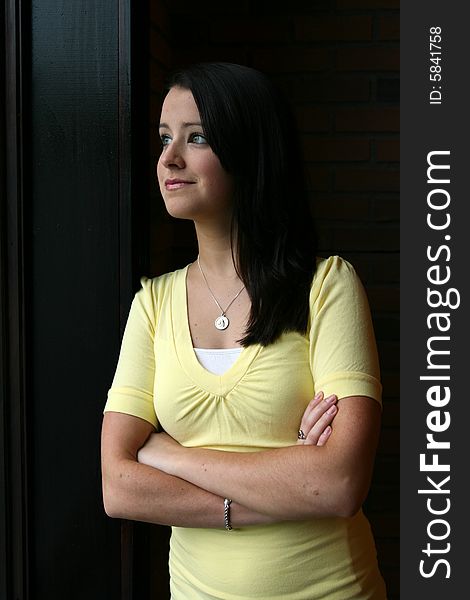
{"x": 215, "y": 384}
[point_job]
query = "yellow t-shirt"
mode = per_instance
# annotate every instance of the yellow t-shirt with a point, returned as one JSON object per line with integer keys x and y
{"x": 255, "y": 405}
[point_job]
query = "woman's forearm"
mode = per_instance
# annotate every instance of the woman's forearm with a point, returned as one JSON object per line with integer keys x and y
{"x": 139, "y": 492}
{"x": 287, "y": 483}
{"x": 290, "y": 483}
{"x": 295, "y": 482}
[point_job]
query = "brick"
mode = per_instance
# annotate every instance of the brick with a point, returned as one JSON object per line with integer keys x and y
{"x": 389, "y": 353}
{"x": 293, "y": 60}
{"x": 328, "y": 150}
{"x": 155, "y": 105}
{"x": 387, "y": 328}
{"x": 382, "y": 497}
{"x": 331, "y": 89}
{"x": 388, "y": 90}
{"x": 391, "y": 415}
{"x": 158, "y": 16}
{"x": 350, "y": 28}
{"x": 385, "y": 524}
{"x": 184, "y": 55}
{"x": 340, "y": 207}
{"x": 310, "y": 119}
{"x": 391, "y": 386}
{"x": 375, "y": 269}
{"x": 386, "y": 209}
{"x": 318, "y": 178}
{"x": 293, "y": 6}
{"x": 357, "y": 4}
{"x": 386, "y": 469}
{"x": 388, "y": 552}
{"x": 387, "y": 150}
{"x": 253, "y": 30}
{"x": 391, "y": 575}
{"x": 325, "y": 241}
{"x": 210, "y": 8}
{"x": 157, "y": 76}
{"x": 389, "y": 27}
{"x": 367, "y": 119}
{"x": 373, "y": 58}
{"x": 190, "y": 30}
{"x": 384, "y": 298}
{"x": 385, "y": 268}
{"x": 355, "y": 180}
{"x": 159, "y": 48}
{"x": 371, "y": 239}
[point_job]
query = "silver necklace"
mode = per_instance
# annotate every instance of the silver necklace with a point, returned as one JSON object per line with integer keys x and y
{"x": 222, "y": 321}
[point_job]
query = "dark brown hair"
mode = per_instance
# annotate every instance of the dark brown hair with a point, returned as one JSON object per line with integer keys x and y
{"x": 251, "y": 128}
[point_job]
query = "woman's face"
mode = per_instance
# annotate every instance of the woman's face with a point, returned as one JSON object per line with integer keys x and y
{"x": 192, "y": 181}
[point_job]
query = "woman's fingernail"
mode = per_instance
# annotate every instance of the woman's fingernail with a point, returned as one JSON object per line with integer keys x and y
{"x": 331, "y": 398}
{"x": 332, "y": 410}
{"x": 327, "y": 430}
{"x": 318, "y": 395}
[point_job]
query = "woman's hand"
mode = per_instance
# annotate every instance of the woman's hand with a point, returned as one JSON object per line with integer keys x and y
{"x": 316, "y": 420}
{"x": 159, "y": 451}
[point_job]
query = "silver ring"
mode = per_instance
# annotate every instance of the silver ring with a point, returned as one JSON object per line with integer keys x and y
{"x": 301, "y": 435}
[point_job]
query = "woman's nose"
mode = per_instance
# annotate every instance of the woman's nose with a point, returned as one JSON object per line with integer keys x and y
{"x": 172, "y": 156}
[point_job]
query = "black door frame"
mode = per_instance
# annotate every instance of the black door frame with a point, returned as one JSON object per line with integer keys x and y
{"x": 18, "y": 294}
{"x": 13, "y": 444}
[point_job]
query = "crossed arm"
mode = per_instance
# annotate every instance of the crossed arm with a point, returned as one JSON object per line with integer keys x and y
{"x": 142, "y": 493}
{"x": 150, "y": 477}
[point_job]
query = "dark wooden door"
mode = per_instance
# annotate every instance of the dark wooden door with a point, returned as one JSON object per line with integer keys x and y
{"x": 66, "y": 285}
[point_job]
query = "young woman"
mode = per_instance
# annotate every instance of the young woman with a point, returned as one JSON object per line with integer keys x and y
{"x": 218, "y": 418}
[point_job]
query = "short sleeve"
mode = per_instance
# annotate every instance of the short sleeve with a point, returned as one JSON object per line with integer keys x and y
{"x": 133, "y": 384}
{"x": 343, "y": 351}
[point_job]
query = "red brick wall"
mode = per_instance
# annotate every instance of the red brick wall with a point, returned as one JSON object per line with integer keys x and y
{"x": 338, "y": 62}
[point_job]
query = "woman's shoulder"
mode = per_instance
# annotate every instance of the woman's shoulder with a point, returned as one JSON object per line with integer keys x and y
{"x": 154, "y": 290}
{"x": 158, "y": 285}
{"x": 332, "y": 267}
{"x": 333, "y": 274}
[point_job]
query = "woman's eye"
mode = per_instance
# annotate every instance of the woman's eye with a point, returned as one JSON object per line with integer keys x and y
{"x": 198, "y": 138}
{"x": 165, "y": 139}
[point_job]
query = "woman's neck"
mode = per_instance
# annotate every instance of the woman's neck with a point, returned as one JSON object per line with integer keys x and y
{"x": 215, "y": 253}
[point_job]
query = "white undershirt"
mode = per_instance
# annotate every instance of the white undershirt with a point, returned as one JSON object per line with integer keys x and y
{"x": 217, "y": 360}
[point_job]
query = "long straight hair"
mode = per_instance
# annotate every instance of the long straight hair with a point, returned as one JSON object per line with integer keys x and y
{"x": 251, "y": 128}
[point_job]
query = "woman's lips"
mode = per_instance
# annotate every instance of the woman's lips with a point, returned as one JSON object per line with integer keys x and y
{"x": 176, "y": 184}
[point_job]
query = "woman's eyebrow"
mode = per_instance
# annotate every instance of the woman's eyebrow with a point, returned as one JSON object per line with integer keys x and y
{"x": 185, "y": 124}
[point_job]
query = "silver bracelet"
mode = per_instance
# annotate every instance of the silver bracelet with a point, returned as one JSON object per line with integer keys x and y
{"x": 227, "y": 504}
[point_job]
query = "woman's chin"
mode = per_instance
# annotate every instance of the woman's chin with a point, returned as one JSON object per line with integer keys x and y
{"x": 180, "y": 210}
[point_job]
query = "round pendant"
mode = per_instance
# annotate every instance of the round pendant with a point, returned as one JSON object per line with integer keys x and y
{"x": 221, "y": 322}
